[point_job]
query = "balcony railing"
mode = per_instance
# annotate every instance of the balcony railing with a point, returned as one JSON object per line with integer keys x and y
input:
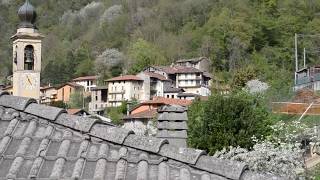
{"x": 303, "y": 80}
{"x": 117, "y": 92}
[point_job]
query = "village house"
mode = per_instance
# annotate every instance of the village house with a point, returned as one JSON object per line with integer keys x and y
{"x": 124, "y": 88}
{"x": 172, "y": 92}
{"x": 65, "y": 91}
{"x": 99, "y": 100}
{"x": 308, "y": 77}
{"x": 88, "y": 82}
{"x": 48, "y": 94}
{"x": 190, "y": 79}
{"x": 154, "y": 84}
{"x": 201, "y": 63}
{"x": 141, "y": 117}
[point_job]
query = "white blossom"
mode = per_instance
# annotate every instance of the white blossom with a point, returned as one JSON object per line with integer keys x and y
{"x": 256, "y": 86}
{"x": 90, "y": 11}
{"x": 111, "y": 14}
{"x": 283, "y": 160}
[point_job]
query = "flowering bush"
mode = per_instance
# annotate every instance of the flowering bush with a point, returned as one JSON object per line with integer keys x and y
{"x": 256, "y": 86}
{"x": 283, "y": 160}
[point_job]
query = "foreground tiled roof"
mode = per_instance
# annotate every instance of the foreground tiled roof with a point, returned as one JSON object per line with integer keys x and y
{"x": 125, "y": 78}
{"x": 43, "y": 142}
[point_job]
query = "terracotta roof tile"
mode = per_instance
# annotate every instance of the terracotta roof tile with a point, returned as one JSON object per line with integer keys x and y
{"x": 148, "y": 114}
{"x": 157, "y": 76}
{"x": 84, "y": 78}
{"x": 125, "y": 78}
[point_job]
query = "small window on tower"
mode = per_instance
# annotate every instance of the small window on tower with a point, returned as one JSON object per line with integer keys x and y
{"x": 28, "y": 58}
{"x": 15, "y": 55}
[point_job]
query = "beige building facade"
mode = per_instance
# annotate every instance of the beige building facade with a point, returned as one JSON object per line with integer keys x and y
{"x": 124, "y": 88}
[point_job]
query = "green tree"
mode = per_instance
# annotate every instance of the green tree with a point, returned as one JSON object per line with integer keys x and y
{"x": 243, "y": 76}
{"x": 144, "y": 54}
{"x": 76, "y": 100}
{"x": 224, "y": 121}
{"x": 59, "y": 104}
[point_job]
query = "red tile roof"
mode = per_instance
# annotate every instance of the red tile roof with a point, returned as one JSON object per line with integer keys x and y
{"x": 169, "y": 101}
{"x": 125, "y": 78}
{"x": 84, "y": 78}
{"x": 148, "y": 114}
{"x": 157, "y": 76}
{"x": 72, "y": 84}
{"x": 164, "y": 101}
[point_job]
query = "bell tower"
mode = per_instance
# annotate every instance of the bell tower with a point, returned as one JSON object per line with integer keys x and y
{"x": 27, "y": 54}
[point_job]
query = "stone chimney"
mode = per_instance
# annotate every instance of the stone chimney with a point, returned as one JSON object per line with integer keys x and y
{"x": 172, "y": 125}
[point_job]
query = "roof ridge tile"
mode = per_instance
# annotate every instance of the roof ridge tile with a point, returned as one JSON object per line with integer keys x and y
{"x": 79, "y": 123}
{"x": 186, "y": 155}
{"x": 109, "y": 133}
{"x": 226, "y": 168}
{"x": 47, "y": 112}
{"x": 15, "y": 102}
{"x": 145, "y": 143}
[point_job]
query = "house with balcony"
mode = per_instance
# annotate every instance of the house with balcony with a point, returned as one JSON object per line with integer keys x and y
{"x": 193, "y": 80}
{"x": 48, "y": 94}
{"x": 65, "y": 91}
{"x": 124, "y": 88}
{"x": 88, "y": 82}
{"x": 99, "y": 100}
{"x": 190, "y": 79}
{"x": 308, "y": 78}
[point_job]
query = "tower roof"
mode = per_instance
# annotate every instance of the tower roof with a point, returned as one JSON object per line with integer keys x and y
{"x": 27, "y": 15}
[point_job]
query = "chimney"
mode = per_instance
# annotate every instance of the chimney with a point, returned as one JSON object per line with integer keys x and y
{"x": 172, "y": 125}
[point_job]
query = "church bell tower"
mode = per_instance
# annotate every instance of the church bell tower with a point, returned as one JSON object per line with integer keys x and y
{"x": 27, "y": 54}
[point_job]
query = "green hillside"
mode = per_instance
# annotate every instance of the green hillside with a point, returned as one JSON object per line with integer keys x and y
{"x": 110, "y": 37}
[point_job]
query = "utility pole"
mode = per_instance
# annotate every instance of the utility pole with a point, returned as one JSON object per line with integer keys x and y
{"x": 296, "y": 56}
{"x": 304, "y": 57}
{"x": 296, "y": 50}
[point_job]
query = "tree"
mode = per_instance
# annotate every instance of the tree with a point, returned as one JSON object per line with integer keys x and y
{"x": 76, "y": 100}
{"x": 59, "y": 104}
{"x": 244, "y": 75}
{"x": 109, "y": 63}
{"x": 227, "y": 121}
{"x": 144, "y": 54}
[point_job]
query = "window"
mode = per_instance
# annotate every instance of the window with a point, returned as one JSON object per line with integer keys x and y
{"x": 70, "y": 90}
{"x": 172, "y": 96}
{"x": 29, "y": 58}
{"x": 168, "y": 96}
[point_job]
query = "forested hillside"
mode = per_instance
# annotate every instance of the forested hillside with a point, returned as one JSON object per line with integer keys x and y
{"x": 110, "y": 37}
